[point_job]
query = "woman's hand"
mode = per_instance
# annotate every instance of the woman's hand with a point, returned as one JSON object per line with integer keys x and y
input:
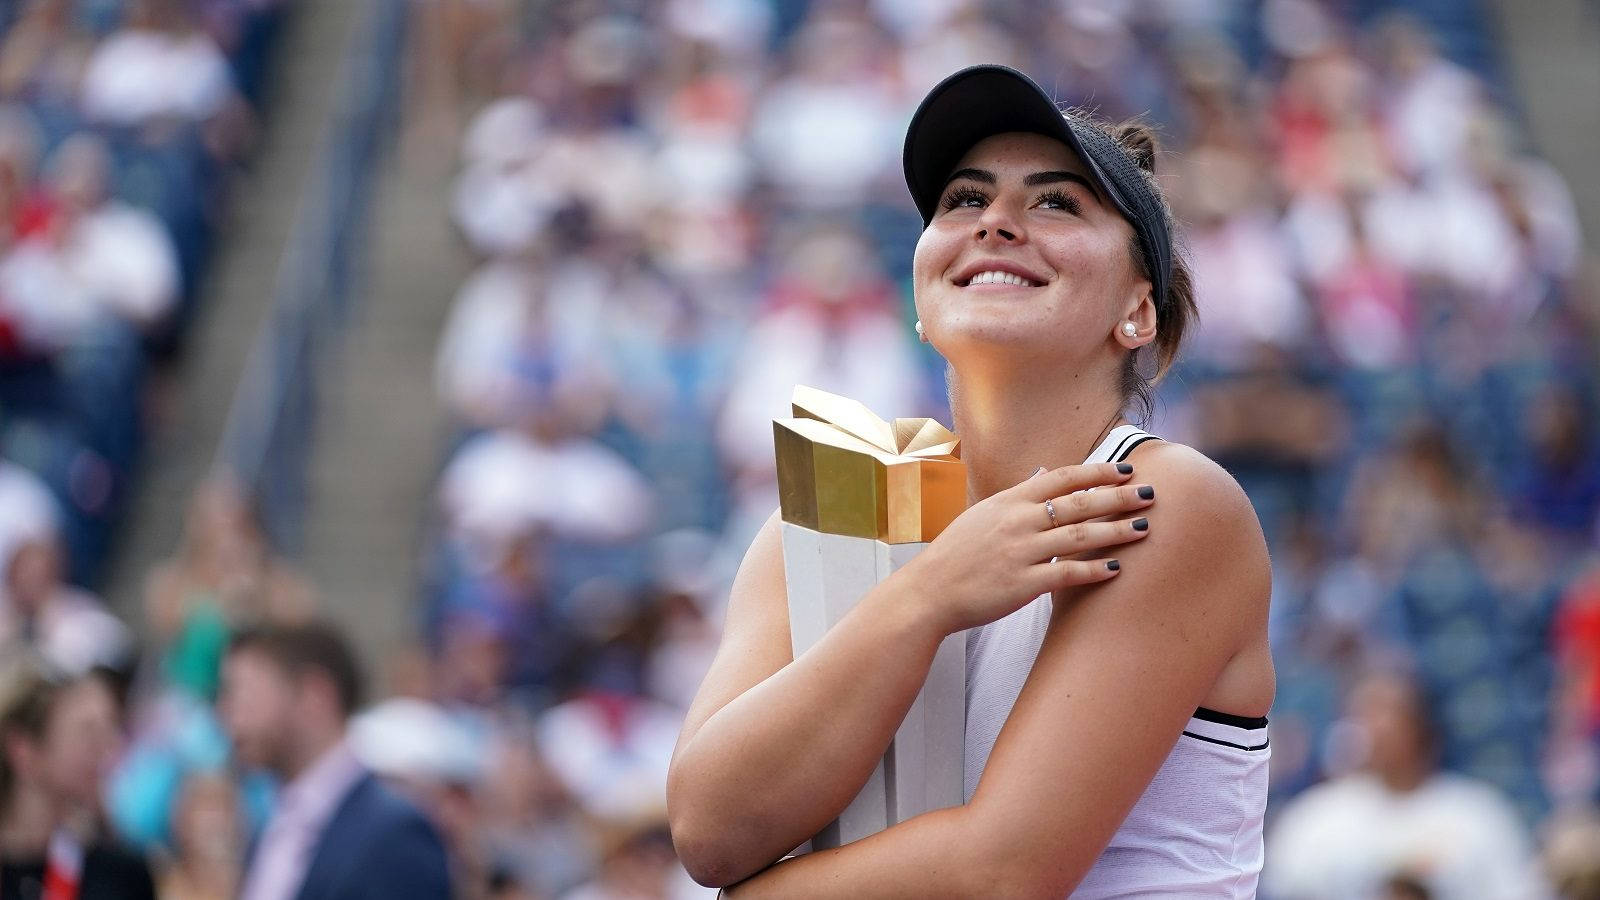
{"x": 1004, "y": 551}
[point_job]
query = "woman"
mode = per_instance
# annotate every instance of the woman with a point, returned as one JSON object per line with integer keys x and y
{"x": 56, "y": 737}
{"x": 1116, "y": 739}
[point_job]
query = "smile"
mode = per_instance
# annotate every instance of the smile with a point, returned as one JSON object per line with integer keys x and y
{"x": 995, "y": 276}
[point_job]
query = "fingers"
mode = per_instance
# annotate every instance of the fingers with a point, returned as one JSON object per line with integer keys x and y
{"x": 1076, "y": 538}
{"x": 1081, "y": 506}
{"x": 1064, "y": 573}
{"x": 1067, "y": 479}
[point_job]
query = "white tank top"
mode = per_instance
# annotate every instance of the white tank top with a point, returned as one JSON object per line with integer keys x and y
{"x": 1196, "y": 830}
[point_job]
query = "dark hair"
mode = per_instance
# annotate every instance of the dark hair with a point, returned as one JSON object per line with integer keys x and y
{"x": 310, "y": 646}
{"x": 28, "y": 694}
{"x": 1177, "y": 309}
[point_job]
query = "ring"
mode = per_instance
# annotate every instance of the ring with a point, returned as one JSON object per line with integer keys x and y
{"x": 1050, "y": 509}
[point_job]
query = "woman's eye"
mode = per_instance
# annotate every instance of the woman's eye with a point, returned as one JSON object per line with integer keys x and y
{"x": 1060, "y": 200}
{"x": 964, "y": 197}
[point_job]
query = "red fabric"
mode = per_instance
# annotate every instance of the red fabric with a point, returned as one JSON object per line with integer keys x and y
{"x": 63, "y": 868}
{"x": 1576, "y": 634}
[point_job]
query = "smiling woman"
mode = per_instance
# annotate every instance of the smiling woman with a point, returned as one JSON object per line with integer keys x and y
{"x": 1116, "y": 732}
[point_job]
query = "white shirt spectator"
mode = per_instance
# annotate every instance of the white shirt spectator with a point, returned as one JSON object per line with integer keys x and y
{"x": 1244, "y": 289}
{"x": 73, "y": 631}
{"x": 43, "y": 297}
{"x": 504, "y": 483}
{"x": 124, "y": 258}
{"x": 867, "y": 360}
{"x": 1428, "y": 116}
{"x": 138, "y": 75}
{"x": 28, "y": 511}
{"x": 1343, "y": 839}
{"x": 500, "y": 206}
{"x": 862, "y": 126}
{"x": 612, "y": 760}
{"x": 501, "y": 309}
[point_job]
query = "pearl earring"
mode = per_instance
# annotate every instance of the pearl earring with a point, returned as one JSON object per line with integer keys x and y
{"x": 921, "y": 334}
{"x": 1130, "y": 329}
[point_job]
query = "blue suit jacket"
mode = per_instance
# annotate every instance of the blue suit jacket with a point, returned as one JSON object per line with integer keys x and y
{"x": 377, "y": 845}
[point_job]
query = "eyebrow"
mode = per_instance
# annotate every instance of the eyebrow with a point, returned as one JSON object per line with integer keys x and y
{"x": 984, "y": 176}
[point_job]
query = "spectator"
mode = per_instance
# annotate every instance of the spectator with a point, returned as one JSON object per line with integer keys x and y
{"x": 337, "y": 832}
{"x": 120, "y": 254}
{"x": 66, "y": 625}
{"x": 224, "y": 575}
{"x": 1572, "y": 854}
{"x": 157, "y": 66}
{"x": 829, "y": 322}
{"x": 57, "y": 736}
{"x": 1398, "y": 815}
{"x": 207, "y": 840}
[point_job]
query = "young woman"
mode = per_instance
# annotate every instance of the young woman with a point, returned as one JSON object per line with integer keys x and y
{"x": 56, "y": 737}
{"x": 1115, "y": 603}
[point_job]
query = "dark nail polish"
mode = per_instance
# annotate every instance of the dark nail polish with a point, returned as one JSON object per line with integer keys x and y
{"x": 1147, "y": 493}
{"x": 1113, "y": 565}
{"x": 1125, "y": 468}
{"x": 1141, "y": 524}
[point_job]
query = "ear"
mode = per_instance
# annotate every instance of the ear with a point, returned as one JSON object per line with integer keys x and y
{"x": 1142, "y": 313}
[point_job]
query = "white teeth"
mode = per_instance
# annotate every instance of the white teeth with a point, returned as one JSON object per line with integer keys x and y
{"x": 998, "y": 277}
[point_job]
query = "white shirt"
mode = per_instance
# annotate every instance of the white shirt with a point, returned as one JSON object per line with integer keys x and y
{"x": 1196, "y": 829}
{"x": 1344, "y": 838}
{"x": 291, "y": 835}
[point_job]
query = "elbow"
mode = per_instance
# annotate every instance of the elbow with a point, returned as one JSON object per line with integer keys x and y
{"x": 702, "y": 838}
{"x": 704, "y": 852}
{"x": 719, "y": 842}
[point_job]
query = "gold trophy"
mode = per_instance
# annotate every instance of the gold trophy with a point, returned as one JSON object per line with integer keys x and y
{"x": 860, "y": 497}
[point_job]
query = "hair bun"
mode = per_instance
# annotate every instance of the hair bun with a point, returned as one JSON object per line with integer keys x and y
{"x": 1140, "y": 142}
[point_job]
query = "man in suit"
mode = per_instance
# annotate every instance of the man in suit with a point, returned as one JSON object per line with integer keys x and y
{"x": 336, "y": 833}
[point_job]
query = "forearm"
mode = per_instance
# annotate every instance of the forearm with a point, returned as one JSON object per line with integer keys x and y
{"x": 774, "y": 765}
{"x": 938, "y": 854}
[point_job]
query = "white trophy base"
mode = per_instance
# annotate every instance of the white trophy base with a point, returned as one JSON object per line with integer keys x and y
{"x": 827, "y": 575}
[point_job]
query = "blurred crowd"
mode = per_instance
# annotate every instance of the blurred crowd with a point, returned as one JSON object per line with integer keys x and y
{"x": 681, "y": 209}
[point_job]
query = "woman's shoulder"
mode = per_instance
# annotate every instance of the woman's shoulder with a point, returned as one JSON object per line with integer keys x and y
{"x": 1191, "y": 476}
{"x": 1195, "y": 493}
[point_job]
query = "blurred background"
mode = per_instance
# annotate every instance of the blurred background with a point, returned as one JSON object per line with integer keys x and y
{"x": 461, "y": 323}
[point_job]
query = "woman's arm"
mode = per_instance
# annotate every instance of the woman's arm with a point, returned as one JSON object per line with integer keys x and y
{"x": 770, "y": 751}
{"x": 1123, "y": 666}
{"x": 773, "y": 748}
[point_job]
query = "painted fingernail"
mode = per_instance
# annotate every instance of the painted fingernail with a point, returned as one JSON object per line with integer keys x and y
{"x": 1141, "y": 524}
{"x": 1113, "y": 565}
{"x": 1147, "y": 493}
{"x": 1125, "y": 468}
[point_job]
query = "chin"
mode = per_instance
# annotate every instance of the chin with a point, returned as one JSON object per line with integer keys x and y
{"x": 985, "y": 338}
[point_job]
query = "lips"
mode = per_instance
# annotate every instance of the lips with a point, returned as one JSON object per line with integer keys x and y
{"x": 997, "y": 272}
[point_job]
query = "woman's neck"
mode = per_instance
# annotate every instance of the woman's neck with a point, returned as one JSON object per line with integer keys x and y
{"x": 1010, "y": 427}
{"x": 28, "y": 821}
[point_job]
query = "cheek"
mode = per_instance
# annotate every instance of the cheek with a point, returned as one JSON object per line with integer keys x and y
{"x": 936, "y": 250}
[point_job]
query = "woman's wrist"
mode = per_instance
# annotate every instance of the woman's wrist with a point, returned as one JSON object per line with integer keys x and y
{"x": 909, "y": 603}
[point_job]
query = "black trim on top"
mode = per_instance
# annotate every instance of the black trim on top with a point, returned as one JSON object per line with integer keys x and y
{"x": 1212, "y": 740}
{"x": 1116, "y": 455}
{"x": 1222, "y": 718}
{"x": 1138, "y": 439}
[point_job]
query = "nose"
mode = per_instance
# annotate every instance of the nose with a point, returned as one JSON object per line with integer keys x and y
{"x": 998, "y": 221}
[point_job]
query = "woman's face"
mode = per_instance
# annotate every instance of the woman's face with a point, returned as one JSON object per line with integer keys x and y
{"x": 1022, "y": 204}
{"x": 80, "y": 742}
